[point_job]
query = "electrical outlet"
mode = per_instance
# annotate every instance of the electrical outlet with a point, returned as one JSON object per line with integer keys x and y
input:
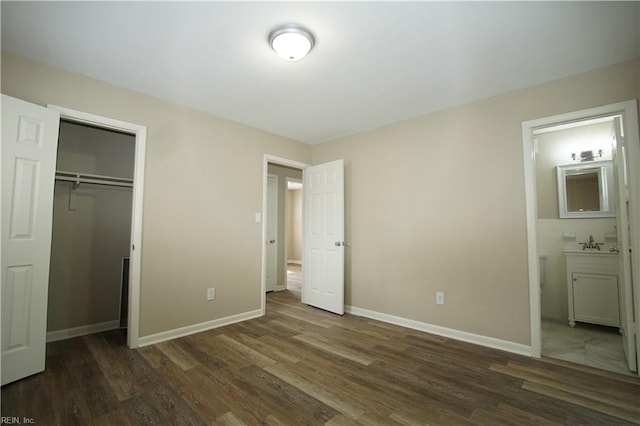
{"x": 211, "y": 293}
{"x": 439, "y": 298}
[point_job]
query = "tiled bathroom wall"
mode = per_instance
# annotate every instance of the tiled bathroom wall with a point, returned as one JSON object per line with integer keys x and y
{"x": 556, "y": 235}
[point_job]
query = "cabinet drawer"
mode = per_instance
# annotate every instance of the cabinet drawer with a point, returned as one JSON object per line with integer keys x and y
{"x": 593, "y": 263}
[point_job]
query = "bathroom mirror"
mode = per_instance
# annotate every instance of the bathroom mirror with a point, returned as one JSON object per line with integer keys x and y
{"x": 586, "y": 190}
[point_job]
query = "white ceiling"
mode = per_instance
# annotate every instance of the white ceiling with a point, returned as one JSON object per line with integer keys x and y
{"x": 374, "y": 63}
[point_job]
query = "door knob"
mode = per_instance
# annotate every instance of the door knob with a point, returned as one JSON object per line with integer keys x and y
{"x": 338, "y": 243}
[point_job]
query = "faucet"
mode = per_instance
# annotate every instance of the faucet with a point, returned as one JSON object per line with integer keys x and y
{"x": 591, "y": 244}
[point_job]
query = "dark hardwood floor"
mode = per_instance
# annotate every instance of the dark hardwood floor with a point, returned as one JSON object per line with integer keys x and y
{"x": 299, "y": 365}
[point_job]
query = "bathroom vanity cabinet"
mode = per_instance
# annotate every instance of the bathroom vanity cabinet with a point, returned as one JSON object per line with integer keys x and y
{"x": 592, "y": 284}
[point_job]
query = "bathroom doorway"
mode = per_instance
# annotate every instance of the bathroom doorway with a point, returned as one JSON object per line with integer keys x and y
{"x": 566, "y": 141}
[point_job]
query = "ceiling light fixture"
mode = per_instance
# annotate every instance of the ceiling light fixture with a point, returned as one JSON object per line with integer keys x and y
{"x": 291, "y": 41}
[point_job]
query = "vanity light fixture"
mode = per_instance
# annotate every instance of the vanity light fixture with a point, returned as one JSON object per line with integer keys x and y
{"x": 586, "y": 155}
{"x": 291, "y": 41}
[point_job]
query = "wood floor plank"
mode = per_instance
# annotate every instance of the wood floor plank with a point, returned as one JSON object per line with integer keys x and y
{"x": 219, "y": 353}
{"x": 611, "y": 397}
{"x": 194, "y": 389}
{"x": 583, "y": 374}
{"x": 346, "y": 380}
{"x": 262, "y": 347}
{"x": 176, "y": 354}
{"x": 119, "y": 418}
{"x": 347, "y": 406}
{"x": 298, "y": 365}
{"x": 508, "y": 415}
{"x": 373, "y": 419}
{"x": 290, "y": 346}
{"x": 229, "y": 419}
{"x": 160, "y": 403}
{"x": 310, "y": 318}
{"x": 154, "y": 356}
{"x": 126, "y": 371}
{"x": 291, "y": 403}
{"x": 341, "y": 420}
{"x": 628, "y": 414}
{"x": 409, "y": 418}
{"x": 393, "y": 330}
{"x": 252, "y": 354}
{"x": 343, "y": 378}
{"x": 246, "y": 408}
{"x": 333, "y": 348}
{"x": 201, "y": 347}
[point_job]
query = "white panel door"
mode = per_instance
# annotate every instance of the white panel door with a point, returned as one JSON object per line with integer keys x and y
{"x": 625, "y": 268}
{"x": 29, "y": 145}
{"x": 271, "y": 275}
{"x": 323, "y": 241}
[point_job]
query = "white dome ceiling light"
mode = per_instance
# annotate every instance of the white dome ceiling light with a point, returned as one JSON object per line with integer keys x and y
{"x": 291, "y": 41}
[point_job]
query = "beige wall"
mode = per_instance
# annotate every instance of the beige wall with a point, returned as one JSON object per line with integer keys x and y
{"x": 432, "y": 204}
{"x": 91, "y": 229}
{"x": 294, "y": 225}
{"x": 436, "y": 203}
{"x": 203, "y": 185}
{"x": 282, "y": 172}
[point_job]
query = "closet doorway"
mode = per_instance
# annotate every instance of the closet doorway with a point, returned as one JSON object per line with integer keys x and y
{"x": 97, "y": 227}
{"x": 91, "y": 231}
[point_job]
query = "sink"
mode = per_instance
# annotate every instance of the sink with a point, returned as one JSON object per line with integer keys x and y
{"x": 590, "y": 251}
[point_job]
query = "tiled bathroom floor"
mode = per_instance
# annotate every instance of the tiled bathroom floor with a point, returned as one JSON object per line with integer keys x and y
{"x": 586, "y": 344}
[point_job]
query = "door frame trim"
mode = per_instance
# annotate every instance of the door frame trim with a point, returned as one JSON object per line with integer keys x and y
{"x": 267, "y": 219}
{"x": 140, "y": 134}
{"x": 629, "y": 111}
{"x": 270, "y": 159}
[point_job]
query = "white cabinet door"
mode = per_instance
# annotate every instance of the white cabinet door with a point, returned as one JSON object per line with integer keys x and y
{"x": 323, "y": 242}
{"x": 29, "y": 145}
{"x": 595, "y": 299}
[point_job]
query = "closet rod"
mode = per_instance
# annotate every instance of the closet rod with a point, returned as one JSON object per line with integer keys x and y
{"x": 79, "y": 178}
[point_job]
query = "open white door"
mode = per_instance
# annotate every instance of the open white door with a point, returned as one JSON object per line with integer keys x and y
{"x": 625, "y": 268}
{"x": 323, "y": 236}
{"x": 271, "y": 276}
{"x": 29, "y": 146}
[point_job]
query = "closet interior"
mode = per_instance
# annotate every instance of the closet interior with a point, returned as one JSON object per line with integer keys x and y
{"x": 91, "y": 238}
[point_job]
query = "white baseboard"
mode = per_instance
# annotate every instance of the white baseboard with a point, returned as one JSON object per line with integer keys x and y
{"x": 477, "y": 339}
{"x": 281, "y": 287}
{"x": 295, "y": 262}
{"x": 68, "y": 333}
{"x": 196, "y": 328}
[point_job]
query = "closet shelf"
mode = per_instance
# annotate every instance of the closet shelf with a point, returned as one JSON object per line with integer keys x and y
{"x": 79, "y": 178}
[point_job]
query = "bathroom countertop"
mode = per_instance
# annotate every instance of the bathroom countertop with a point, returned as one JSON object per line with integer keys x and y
{"x": 590, "y": 252}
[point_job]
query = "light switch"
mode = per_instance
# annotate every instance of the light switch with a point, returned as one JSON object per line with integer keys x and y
{"x": 258, "y": 217}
